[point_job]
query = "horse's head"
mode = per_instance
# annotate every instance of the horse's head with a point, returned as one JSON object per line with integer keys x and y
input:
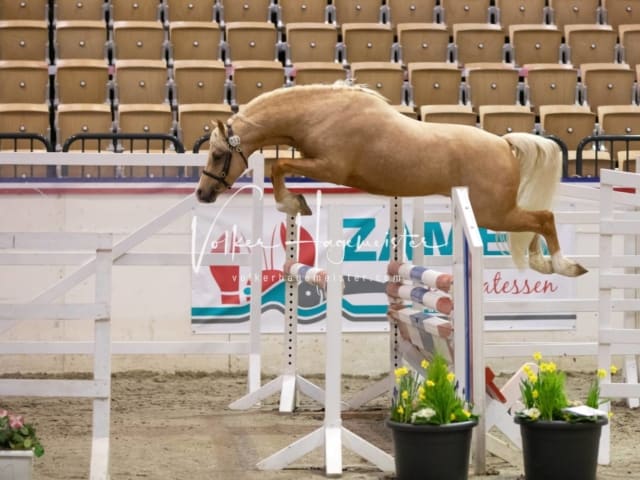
{"x": 225, "y": 164}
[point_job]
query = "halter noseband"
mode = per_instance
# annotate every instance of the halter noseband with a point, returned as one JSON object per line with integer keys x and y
{"x": 233, "y": 143}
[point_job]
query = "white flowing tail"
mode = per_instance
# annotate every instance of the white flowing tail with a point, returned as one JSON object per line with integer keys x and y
{"x": 540, "y": 171}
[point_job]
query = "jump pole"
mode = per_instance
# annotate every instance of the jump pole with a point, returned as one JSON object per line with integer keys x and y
{"x": 332, "y": 435}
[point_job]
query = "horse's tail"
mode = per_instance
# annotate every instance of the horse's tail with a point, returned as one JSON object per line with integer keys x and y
{"x": 540, "y": 171}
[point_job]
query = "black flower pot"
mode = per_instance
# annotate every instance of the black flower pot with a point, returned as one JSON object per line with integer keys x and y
{"x": 556, "y": 450}
{"x": 432, "y": 452}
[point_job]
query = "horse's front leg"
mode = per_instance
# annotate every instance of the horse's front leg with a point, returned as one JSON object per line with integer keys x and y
{"x": 286, "y": 201}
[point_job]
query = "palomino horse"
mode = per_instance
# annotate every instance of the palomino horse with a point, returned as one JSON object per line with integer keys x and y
{"x": 349, "y": 135}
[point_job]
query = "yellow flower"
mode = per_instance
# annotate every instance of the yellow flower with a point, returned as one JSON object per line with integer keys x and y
{"x": 533, "y": 378}
{"x": 544, "y": 368}
{"x": 537, "y": 356}
{"x": 400, "y": 372}
{"x": 466, "y": 413}
{"x": 527, "y": 369}
{"x": 613, "y": 369}
{"x": 610, "y": 414}
{"x": 424, "y": 363}
{"x": 420, "y": 390}
{"x": 400, "y": 410}
{"x": 453, "y": 416}
{"x": 552, "y": 367}
{"x": 431, "y": 383}
{"x": 451, "y": 377}
{"x": 405, "y": 394}
{"x": 535, "y": 394}
{"x": 602, "y": 373}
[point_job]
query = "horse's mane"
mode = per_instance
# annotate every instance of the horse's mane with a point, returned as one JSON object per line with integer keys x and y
{"x": 340, "y": 85}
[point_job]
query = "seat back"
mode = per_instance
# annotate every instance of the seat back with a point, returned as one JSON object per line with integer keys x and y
{"x": 311, "y": 42}
{"x": 386, "y": 78}
{"x": 357, "y": 11}
{"x": 503, "y": 119}
{"x": 181, "y": 11}
{"x": 423, "y": 42}
{"x": 469, "y": 11}
{"x": 410, "y": 11}
{"x": 520, "y": 12}
{"x": 24, "y": 40}
{"x": 139, "y": 40}
{"x": 302, "y": 11}
{"x": 23, "y": 118}
{"x": 434, "y": 83}
{"x": 24, "y": 81}
{"x": 135, "y": 10}
{"x": 82, "y": 81}
{"x": 308, "y": 73}
{"x": 244, "y": 11}
{"x": 492, "y": 84}
{"x": 621, "y": 12}
{"x": 198, "y": 119}
{"x": 629, "y": 41}
{"x": 81, "y": 39}
{"x": 535, "y": 43}
{"x": 251, "y": 41}
{"x": 367, "y": 42}
{"x": 198, "y": 81}
{"x": 141, "y": 81}
{"x": 621, "y": 120}
{"x": 31, "y": 10}
{"x": 458, "y": 114}
{"x": 478, "y": 42}
{"x": 591, "y": 43}
{"x": 550, "y": 84}
{"x": 607, "y": 84}
{"x": 195, "y": 40}
{"x": 85, "y": 10}
{"x": 567, "y": 12}
{"x": 252, "y": 78}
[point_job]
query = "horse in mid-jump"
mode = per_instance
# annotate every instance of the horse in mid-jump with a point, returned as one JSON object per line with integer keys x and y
{"x": 350, "y": 135}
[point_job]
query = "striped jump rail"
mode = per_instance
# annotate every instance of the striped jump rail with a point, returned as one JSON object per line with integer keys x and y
{"x": 305, "y": 273}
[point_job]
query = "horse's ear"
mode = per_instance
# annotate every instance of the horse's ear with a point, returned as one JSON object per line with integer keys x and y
{"x": 222, "y": 129}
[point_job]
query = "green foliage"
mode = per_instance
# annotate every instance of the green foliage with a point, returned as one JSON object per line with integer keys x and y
{"x": 428, "y": 397}
{"x": 17, "y": 435}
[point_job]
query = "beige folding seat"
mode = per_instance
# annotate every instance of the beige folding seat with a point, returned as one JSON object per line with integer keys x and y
{"x": 550, "y": 84}
{"x": 82, "y": 81}
{"x": 254, "y": 77}
{"x": 24, "y": 81}
{"x": 470, "y": 11}
{"x": 29, "y": 118}
{"x": 200, "y": 81}
{"x": 492, "y": 84}
{"x": 367, "y": 42}
{"x": 195, "y": 40}
{"x": 535, "y": 43}
{"x": 567, "y": 12}
{"x": 411, "y": 11}
{"x": 621, "y": 120}
{"x": 357, "y": 11}
{"x": 24, "y": 40}
{"x": 386, "y": 78}
{"x": 478, "y": 42}
{"x": 308, "y": 73}
{"x": 244, "y": 11}
{"x": 81, "y": 39}
{"x": 181, "y": 11}
{"x": 135, "y": 10}
{"x": 423, "y": 42}
{"x": 79, "y": 10}
{"x": 590, "y": 44}
{"x": 84, "y": 118}
{"x": 434, "y": 83}
{"x": 503, "y": 119}
{"x": 572, "y": 123}
{"x": 302, "y": 11}
{"x": 457, "y": 114}
{"x": 621, "y": 12}
{"x": 139, "y": 40}
{"x": 520, "y": 12}
{"x": 24, "y": 10}
{"x": 250, "y": 41}
{"x": 196, "y": 120}
{"x": 141, "y": 81}
{"x": 607, "y": 84}
{"x": 629, "y": 36}
{"x": 311, "y": 42}
{"x": 143, "y": 119}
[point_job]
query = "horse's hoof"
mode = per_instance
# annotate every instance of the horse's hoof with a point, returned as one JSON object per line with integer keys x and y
{"x": 302, "y": 205}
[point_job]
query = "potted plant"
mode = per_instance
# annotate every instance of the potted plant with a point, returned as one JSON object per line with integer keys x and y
{"x": 18, "y": 445}
{"x": 560, "y": 438}
{"x": 430, "y": 423}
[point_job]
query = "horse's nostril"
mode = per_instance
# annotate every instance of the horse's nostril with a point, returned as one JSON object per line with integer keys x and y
{"x": 199, "y": 192}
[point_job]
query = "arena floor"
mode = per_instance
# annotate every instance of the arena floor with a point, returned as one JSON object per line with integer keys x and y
{"x": 177, "y": 426}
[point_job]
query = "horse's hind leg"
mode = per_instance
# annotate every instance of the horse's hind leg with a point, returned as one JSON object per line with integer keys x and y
{"x": 537, "y": 261}
{"x": 542, "y": 223}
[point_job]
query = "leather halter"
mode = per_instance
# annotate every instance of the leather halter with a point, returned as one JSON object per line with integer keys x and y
{"x": 233, "y": 143}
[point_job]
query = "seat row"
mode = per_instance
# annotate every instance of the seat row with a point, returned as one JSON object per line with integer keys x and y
{"x": 505, "y": 12}
{"x": 301, "y": 42}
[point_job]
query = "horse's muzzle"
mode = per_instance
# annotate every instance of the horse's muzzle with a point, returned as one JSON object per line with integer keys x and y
{"x": 206, "y": 197}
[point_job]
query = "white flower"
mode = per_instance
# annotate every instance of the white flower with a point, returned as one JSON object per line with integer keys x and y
{"x": 423, "y": 414}
{"x": 532, "y": 413}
